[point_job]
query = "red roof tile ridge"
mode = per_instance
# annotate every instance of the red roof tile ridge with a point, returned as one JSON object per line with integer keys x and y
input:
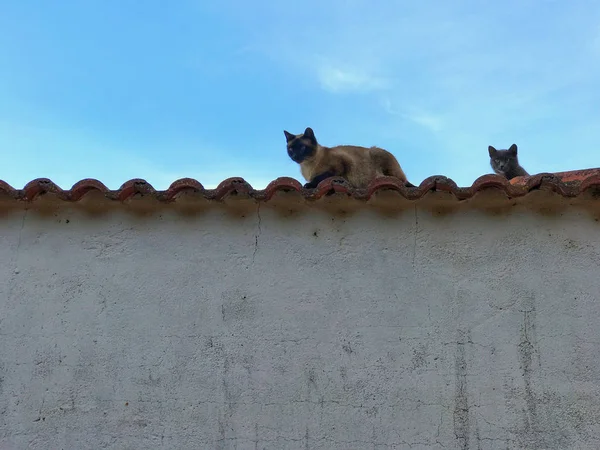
{"x": 568, "y": 184}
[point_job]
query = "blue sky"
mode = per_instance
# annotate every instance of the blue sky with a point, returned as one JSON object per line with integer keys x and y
{"x": 125, "y": 89}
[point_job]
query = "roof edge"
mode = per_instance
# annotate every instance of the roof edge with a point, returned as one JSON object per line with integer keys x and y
{"x": 567, "y": 184}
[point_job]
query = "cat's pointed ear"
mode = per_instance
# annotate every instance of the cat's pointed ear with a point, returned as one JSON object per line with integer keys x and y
{"x": 492, "y": 151}
{"x": 513, "y": 149}
{"x": 309, "y": 133}
{"x": 288, "y": 136}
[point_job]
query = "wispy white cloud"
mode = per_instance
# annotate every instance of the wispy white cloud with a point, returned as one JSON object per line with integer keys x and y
{"x": 430, "y": 121}
{"x": 446, "y": 54}
{"x": 336, "y": 79}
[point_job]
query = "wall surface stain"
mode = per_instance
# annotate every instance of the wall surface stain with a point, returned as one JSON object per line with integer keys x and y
{"x": 462, "y": 423}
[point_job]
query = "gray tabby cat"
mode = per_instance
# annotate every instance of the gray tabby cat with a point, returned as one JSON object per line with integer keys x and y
{"x": 506, "y": 162}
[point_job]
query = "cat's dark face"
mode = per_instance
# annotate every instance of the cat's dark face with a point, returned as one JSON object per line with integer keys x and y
{"x": 503, "y": 161}
{"x": 301, "y": 146}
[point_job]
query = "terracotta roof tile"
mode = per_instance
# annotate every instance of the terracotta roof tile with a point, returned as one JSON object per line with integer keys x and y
{"x": 568, "y": 184}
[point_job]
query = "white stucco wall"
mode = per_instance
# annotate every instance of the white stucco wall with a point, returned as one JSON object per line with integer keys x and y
{"x": 296, "y": 326}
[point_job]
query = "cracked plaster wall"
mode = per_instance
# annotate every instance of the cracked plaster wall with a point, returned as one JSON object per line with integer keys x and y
{"x": 299, "y": 328}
